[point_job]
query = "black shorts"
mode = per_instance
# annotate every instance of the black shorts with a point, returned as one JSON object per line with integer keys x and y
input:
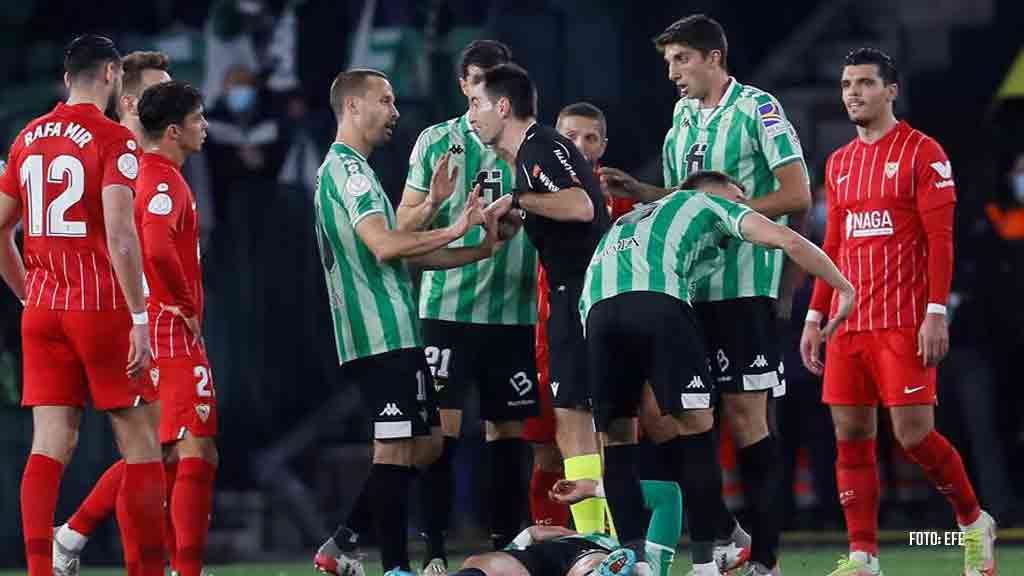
{"x": 639, "y": 337}
{"x": 394, "y": 387}
{"x": 568, "y": 350}
{"x": 556, "y": 556}
{"x": 498, "y": 358}
{"x": 742, "y": 339}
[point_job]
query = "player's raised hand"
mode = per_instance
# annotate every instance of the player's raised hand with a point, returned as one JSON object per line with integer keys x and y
{"x": 442, "y": 184}
{"x": 472, "y": 214}
{"x": 933, "y": 339}
{"x": 615, "y": 182}
{"x": 139, "y": 355}
{"x": 573, "y": 491}
{"x": 810, "y": 348}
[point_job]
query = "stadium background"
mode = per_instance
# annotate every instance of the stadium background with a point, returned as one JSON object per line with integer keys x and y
{"x": 292, "y": 441}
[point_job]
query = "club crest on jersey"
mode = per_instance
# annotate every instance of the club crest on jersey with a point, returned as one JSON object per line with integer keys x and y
{"x": 154, "y": 375}
{"x": 358, "y": 184}
{"x": 160, "y": 204}
{"x": 868, "y": 224}
{"x": 203, "y": 411}
{"x": 891, "y": 168}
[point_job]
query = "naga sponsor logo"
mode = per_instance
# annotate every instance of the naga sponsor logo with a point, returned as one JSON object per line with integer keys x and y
{"x": 868, "y": 224}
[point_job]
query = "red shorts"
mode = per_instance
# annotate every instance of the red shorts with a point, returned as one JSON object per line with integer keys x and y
{"x": 72, "y": 356}
{"x": 187, "y": 398}
{"x": 541, "y": 428}
{"x": 863, "y": 368}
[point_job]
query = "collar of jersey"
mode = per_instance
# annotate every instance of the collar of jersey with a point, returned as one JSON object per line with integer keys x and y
{"x": 156, "y": 158}
{"x": 732, "y": 93}
{"x": 81, "y": 108}
{"x": 342, "y": 148}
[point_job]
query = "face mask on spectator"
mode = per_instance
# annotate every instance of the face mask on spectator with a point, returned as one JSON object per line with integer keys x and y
{"x": 240, "y": 98}
{"x": 1017, "y": 182}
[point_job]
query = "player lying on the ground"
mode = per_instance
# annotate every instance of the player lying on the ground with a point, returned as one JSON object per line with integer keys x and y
{"x": 558, "y": 551}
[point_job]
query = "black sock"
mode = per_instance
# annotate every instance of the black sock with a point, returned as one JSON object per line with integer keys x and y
{"x": 358, "y": 524}
{"x": 506, "y": 467}
{"x": 759, "y": 469}
{"x": 666, "y": 454}
{"x": 702, "y": 490}
{"x": 622, "y": 489}
{"x": 391, "y": 513}
{"x": 725, "y": 522}
{"x": 436, "y": 489}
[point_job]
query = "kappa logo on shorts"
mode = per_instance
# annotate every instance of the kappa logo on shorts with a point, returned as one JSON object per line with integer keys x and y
{"x": 695, "y": 383}
{"x": 203, "y": 410}
{"x": 390, "y": 409}
{"x": 759, "y": 362}
{"x": 554, "y": 387}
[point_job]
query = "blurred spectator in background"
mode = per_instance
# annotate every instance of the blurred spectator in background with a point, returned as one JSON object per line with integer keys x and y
{"x": 1009, "y": 221}
{"x": 246, "y": 146}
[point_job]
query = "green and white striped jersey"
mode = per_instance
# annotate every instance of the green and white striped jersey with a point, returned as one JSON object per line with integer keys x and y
{"x": 665, "y": 246}
{"x": 371, "y": 302}
{"x": 501, "y": 289}
{"x": 746, "y": 136}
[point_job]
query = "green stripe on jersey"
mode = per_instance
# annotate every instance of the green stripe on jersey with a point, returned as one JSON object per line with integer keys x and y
{"x": 746, "y": 137}
{"x": 661, "y": 247}
{"x": 501, "y": 289}
{"x": 371, "y": 303}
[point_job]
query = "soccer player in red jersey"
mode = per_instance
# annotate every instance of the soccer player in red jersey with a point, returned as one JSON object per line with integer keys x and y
{"x": 85, "y": 330}
{"x": 141, "y": 70}
{"x": 891, "y": 198}
{"x": 171, "y": 115}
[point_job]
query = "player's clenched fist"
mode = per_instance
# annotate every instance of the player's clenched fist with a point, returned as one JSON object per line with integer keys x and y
{"x": 139, "y": 355}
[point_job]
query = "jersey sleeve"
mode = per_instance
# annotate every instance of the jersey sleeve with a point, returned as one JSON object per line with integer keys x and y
{"x": 421, "y": 163}
{"x": 354, "y": 190}
{"x": 8, "y": 175}
{"x": 821, "y": 298}
{"x": 775, "y": 135}
{"x": 550, "y": 168}
{"x": 728, "y": 214}
{"x": 120, "y": 159}
{"x": 935, "y": 193}
{"x": 160, "y": 225}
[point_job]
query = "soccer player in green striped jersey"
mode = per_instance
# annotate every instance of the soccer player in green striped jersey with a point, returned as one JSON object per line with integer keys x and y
{"x": 369, "y": 288}
{"x": 477, "y": 319}
{"x": 640, "y": 325}
{"x": 720, "y": 124}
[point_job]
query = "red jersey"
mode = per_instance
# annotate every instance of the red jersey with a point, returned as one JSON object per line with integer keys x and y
{"x": 890, "y": 228}
{"x": 58, "y": 166}
{"x": 165, "y": 212}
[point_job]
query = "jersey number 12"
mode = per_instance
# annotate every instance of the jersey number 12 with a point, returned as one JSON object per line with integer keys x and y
{"x": 63, "y": 169}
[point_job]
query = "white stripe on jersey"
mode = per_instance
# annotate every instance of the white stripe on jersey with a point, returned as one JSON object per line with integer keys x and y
{"x": 31, "y": 279}
{"x": 860, "y": 171}
{"x": 885, "y": 285}
{"x": 56, "y": 284}
{"x": 913, "y": 274}
{"x": 860, "y": 282}
{"x": 81, "y": 279}
{"x": 171, "y": 337}
{"x": 871, "y": 291}
{"x": 156, "y": 331}
{"x": 96, "y": 274}
{"x": 42, "y": 285}
{"x": 871, "y": 172}
{"x": 67, "y": 285}
{"x": 188, "y": 348}
{"x": 899, "y": 279}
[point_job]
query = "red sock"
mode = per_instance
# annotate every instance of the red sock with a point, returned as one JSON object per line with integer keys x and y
{"x": 170, "y": 547}
{"x": 40, "y": 485}
{"x": 942, "y": 465}
{"x": 857, "y": 479}
{"x": 99, "y": 504}
{"x": 140, "y": 508}
{"x": 190, "y": 509}
{"x": 543, "y": 510}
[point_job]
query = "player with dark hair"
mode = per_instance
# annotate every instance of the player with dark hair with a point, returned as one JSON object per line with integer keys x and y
{"x": 891, "y": 199}
{"x": 171, "y": 114}
{"x": 477, "y": 319}
{"x": 141, "y": 70}
{"x": 71, "y": 177}
{"x": 720, "y": 124}
{"x": 640, "y": 325}
{"x": 376, "y": 328}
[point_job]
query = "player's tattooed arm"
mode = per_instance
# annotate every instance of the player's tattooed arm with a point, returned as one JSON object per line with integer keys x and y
{"x": 616, "y": 182}
{"x": 792, "y": 196}
{"x": 12, "y": 268}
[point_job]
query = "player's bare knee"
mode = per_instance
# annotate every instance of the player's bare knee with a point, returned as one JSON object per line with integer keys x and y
{"x": 506, "y": 430}
{"x": 201, "y": 447}
{"x": 747, "y": 415}
{"x": 911, "y": 428}
{"x": 397, "y": 452}
{"x": 575, "y": 432}
{"x": 854, "y": 422}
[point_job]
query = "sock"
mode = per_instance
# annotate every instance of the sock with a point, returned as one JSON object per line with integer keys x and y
{"x": 942, "y": 464}
{"x": 170, "y": 543}
{"x": 857, "y": 481}
{"x": 359, "y": 522}
{"x": 40, "y": 484}
{"x": 436, "y": 489}
{"x": 622, "y": 488}
{"x": 128, "y": 545}
{"x": 665, "y": 456}
{"x": 759, "y": 468}
{"x": 702, "y": 489}
{"x": 141, "y": 504}
{"x": 391, "y": 513}
{"x": 190, "y": 508}
{"x": 99, "y": 504}
{"x": 542, "y": 509}
{"x": 506, "y": 467}
{"x": 589, "y": 514}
